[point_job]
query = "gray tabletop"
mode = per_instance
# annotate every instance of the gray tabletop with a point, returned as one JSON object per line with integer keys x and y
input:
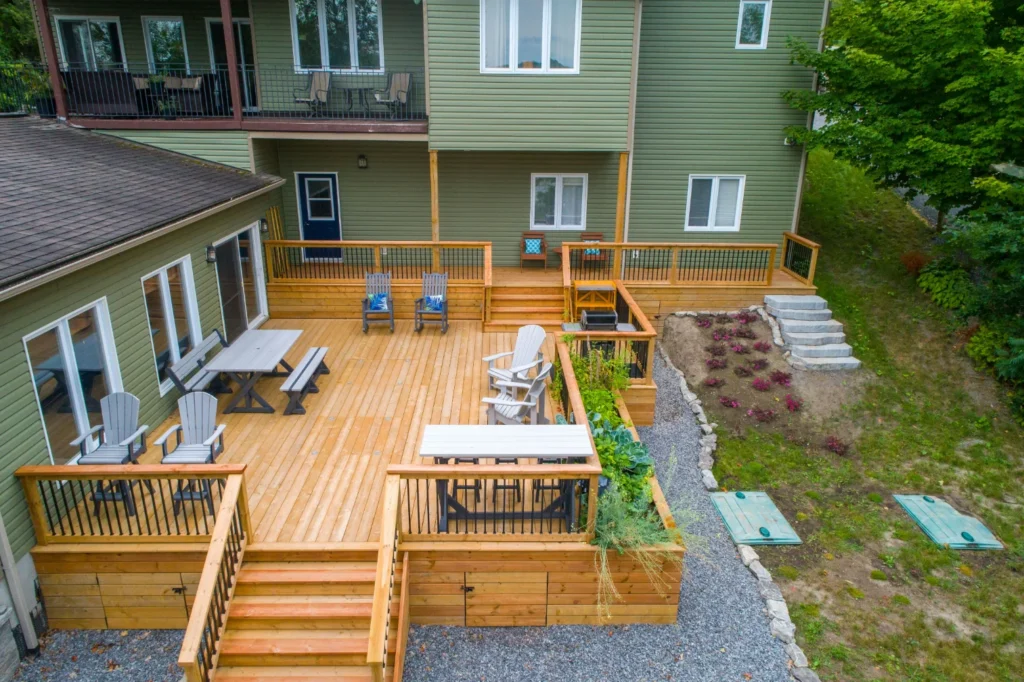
{"x": 257, "y": 350}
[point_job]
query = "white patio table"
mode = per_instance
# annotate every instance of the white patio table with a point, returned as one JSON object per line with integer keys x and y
{"x": 254, "y": 354}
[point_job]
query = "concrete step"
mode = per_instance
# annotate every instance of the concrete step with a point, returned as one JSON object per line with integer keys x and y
{"x": 825, "y": 350}
{"x": 800, "y": 313}
{"x": 828, "y": 364}
{"x": 813, "y": 338}
{"x": 796, "y": 302}
{"x": 809, "y": 326}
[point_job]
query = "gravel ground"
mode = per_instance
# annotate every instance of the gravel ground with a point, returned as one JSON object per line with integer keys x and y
{"x": 108, "y": 655}
{"x": 721, "y": 633}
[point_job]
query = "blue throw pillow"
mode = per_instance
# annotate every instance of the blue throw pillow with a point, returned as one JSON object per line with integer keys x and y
{"x": 591, "y": 252}
{"x": 379, "y": 302}
{"x": 532, "y": 246}
{"x": 435, "y": 303}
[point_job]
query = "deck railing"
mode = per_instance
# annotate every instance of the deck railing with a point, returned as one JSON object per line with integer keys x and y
{"x": 131, "y": 503}
{"x": 325, "y": 262}
{"x": 209, "y": 616}
{"x": 664, "y": 263}
{"x": 23, "y": 85}
{"x": 799, "y": 257}
{"x": 384, "y": 582}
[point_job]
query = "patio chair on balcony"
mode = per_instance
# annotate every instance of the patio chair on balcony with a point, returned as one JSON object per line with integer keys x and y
{"x": 317, "y": 94}
{"x": 199, "y": 440}
{"x": 507, "y": 408}
{"x": 524, "y": 357}
{"x": 533, "y": 246}
{"x": 396, "y": 96}
{"x": 432, "y": 306}
{"x": 378, "y": 306}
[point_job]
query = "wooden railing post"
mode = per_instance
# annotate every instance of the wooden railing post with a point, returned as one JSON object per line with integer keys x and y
{"x": 673, "y": 273}
{"x": 383, "y": 587}
{"x": 771, "y": 266}
{"x": 592, "y": 503}
{"x": 35, "y": 509}
{"x": 268, "y": 261}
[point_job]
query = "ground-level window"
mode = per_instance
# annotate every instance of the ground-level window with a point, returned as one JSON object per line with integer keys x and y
{"x": 73, "y": 365}
{"x": 90, "y": 43}
{"x": 165, "y": 44}
{"x": 343, "y": 35}
{"x": 243, "y": 297}
{"x": 714, "y": 202}
{"x": 559, "y": 202}
{"x": 173, "y": 313}
{"x": 538, "y": 36}
{"x": 752, "y": 26}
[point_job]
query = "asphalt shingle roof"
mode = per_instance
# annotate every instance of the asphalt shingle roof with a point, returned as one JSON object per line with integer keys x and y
{"x": 66, "y": 193}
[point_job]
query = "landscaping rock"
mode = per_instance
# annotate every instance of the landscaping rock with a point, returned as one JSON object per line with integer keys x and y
{"x": 769, "y": 590}
{"x": 747, "y": 554}
{"x": 759, "y": 570}
{"x": 708, "y": 479}
{"x": 703, "y": 419}
{"x": 711, "y": 440}
{"x": 777, "y": 609}
{"x": 797, "y": 655}
{"x": 782, "y": 630}
{"x": 706, "y": 428}
{"x": 805, "y": 675}
{"x": 705, "y": 461}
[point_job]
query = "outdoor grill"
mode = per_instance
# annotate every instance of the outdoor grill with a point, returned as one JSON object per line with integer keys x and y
{"x": 599, "y": 320}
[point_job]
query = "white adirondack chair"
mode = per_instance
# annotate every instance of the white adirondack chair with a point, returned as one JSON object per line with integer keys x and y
{"x": 506, "y": 408}
{"x": 199, "y": 440}
{"x": 524, "y": 357}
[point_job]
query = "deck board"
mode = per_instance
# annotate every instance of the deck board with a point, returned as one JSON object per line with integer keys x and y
{"x": 319, "y": 477}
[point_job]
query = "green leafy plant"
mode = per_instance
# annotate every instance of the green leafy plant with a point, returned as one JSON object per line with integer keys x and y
{"x": 949, "y": 285}
{"x": 987, "y": 346}
{"x": 626, "y": 462}
{"x": 1011, "y": 366}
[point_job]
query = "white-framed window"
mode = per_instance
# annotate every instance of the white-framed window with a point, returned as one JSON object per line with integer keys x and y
{"x": 166, "y": 49}
{"x": 558, "y": 201}
{"x": 714, "y": 202}
{"x": 90, "y": 43}
{"x": 752, "y": 25}
{"x": 339, "y": 35}
{"x": 530, "y": 36}
{"x": 319, "y": 198}
{"x": 73, "y": 365}
{"x": 173, "y": 313}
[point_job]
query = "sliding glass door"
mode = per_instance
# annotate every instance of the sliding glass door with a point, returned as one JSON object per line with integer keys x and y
{"x": 73, "y": 366}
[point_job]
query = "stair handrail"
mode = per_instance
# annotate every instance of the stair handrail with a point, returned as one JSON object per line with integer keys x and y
{"x": 209, "y": 617}
{"x": 384, "y": 582}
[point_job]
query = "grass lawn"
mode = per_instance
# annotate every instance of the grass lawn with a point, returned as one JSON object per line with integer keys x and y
{"x": 872, "y": 597}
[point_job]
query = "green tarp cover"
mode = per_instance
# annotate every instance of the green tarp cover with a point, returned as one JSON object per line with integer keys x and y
{"x": 753, "y": 519}
{"x": 945, "y": 525}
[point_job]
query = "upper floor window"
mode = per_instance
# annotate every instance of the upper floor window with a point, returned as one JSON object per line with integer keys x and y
{"x": 342, "y": 35}
{"x": 714, "y": 202}
{"x": 558, "y": 202}
{"x": 530, "y": 36}
{"x": 165, "y": 43}
{"x": 752, "y": 27}
{"x": 91, "y": 43}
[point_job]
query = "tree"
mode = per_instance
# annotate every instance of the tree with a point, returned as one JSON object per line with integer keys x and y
{"x": 18, "y": 36}
{"x": 921, "y": 94}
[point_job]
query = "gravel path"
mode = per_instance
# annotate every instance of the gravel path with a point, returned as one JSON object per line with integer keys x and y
{"x": 107, "y": 655}
{"x": 722, "y": 631}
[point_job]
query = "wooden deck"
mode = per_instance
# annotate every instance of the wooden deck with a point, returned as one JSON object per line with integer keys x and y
{"x": 318, "y": 477}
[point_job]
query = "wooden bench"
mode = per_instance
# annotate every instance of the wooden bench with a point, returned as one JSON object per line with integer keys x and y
{"x": 302, "y": 380}
{"x": 188, "y": 373}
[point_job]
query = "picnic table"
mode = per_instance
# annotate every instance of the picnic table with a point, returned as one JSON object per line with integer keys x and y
{"x": 461, "y": 443}
{"x": 253, "y": 355}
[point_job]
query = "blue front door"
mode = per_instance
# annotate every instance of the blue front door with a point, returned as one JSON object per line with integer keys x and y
{"x": 320, "y": 211}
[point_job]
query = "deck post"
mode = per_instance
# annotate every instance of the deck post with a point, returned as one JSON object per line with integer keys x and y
{"x": 620, "y": 212}
{"x": 435, "y": 213}
{"x": 50, "y": 53}
{"x": 232, "y": 56}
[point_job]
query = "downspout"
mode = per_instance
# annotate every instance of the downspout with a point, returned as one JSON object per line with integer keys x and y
{"x": 638, "y": 12}
{"x": 28, "y": 629}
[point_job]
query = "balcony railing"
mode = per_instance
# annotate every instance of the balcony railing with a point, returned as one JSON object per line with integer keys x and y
{"x": 141, "y": 92}
{"x": 25, "y": 86}
{"x": 284, "y": 92}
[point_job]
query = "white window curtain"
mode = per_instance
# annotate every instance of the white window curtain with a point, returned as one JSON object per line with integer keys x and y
{"x": 559, "y": 202}
{"x": 714, "y": 203}
{"x": 530, "y": 36}
{"x": 341, "y": 35}
{"x": 497, "y": 33}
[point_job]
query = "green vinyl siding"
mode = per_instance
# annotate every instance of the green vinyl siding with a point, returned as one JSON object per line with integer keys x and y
{"x": 230, "y": 147}
{"x": 704, "y": 107}
{"x": 486, "y": 196}
{"x": 388, "y": 200}
{"x": 470, "y": 110}
{"x": 119, "y": 279}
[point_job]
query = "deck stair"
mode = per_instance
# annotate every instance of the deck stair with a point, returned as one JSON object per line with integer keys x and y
{"x": 515, "y": 305}
{"x": 814, "y": 339}
{"x": 294, "y": 619}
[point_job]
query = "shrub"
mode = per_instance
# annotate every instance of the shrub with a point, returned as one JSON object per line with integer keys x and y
{"x": 760, "y": 384}
{"x": 763, "y": 416}
{"x": 914, "y": 261}
{"x": 717, "y": 350}
{"x": 759, "y": 364}
{"x": 834, "y": 445}
{"x": 949, "y": 285}
{"x": 729, "y": 402}
{"x": 704, "y": 321}
{"x": 742, "y": 371}
{"x": 746, "y": 316}
{"x": 781, "y": 378}
{"x": 763, "y": 346}
{"x": 716, "y": 363}
{"x": 721, "y": 335}
{"x": 900, "y": 599}
{"x": 740, "y": 349}
{"x": 793, "y": 404}
{"x": 714, "y": 382}
{"x": 987, "y": 346}
{"x": 743, "y": 333}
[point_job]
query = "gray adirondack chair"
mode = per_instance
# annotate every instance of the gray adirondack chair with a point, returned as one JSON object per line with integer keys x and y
{"x": 434, "y": 284}
{"x": 199, "y": 440}
{"x": 524, "y": 357}
{"x": 378, "y": 283}
{"x": 507, "y": 408}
